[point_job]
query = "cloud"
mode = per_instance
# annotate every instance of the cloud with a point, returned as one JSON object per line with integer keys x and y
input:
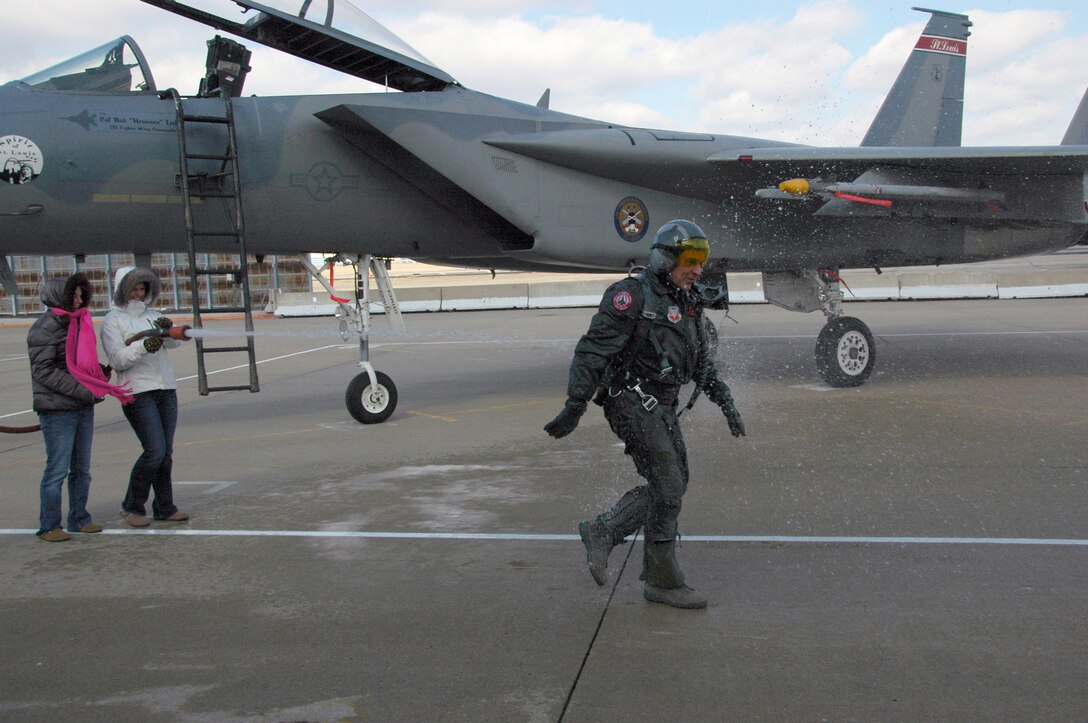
{"x": 802, "y": 77}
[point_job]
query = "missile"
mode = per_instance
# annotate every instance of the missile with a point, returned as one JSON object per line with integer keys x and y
{"x": 873, "y": 192}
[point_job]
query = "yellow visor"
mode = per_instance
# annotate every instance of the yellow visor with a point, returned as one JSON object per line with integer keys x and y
{"x": 693, "y": 252}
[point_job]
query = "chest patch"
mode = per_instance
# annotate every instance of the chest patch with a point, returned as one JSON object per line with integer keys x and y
{"x": 674, "y": 314}
{"x": 622, "y": 300}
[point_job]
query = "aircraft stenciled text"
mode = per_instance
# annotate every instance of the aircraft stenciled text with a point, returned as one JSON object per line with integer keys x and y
{"x": 948, "y": 46}
{"x": 127, "y": 124}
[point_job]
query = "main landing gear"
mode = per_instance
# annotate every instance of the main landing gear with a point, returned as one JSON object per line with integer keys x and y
{"x": 845, "y": 348}
{"x": 371, "y": 396}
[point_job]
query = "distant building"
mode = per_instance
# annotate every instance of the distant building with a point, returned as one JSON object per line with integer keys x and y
{"x": 272, "y": 273}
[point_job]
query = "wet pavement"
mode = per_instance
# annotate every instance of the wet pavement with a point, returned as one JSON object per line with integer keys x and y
{"x": 912, "y": 549}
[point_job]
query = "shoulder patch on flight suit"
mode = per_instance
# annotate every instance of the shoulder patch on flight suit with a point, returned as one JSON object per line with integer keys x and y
{"x": 622, "y": 300}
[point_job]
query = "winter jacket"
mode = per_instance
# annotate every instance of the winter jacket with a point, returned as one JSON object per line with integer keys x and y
{"x": 144, "y": 370}
{"x": 53, "y": 386}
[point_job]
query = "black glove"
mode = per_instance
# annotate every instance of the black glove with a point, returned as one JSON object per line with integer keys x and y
{"x": 152, "y": 343}
{"x": 567, "y": 420}
{"x": 163, "y": 323}
{"x": 732, "y": 416}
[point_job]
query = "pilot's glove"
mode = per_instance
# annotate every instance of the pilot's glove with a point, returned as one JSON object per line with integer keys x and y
{"x": 163, "y": 323}
{"x": 732, "y": 416}
{"x": 567, "y": 420}
{"x": 152, "y": 343}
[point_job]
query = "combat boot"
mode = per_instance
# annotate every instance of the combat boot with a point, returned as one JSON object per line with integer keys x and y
{"x": 598, "y": 542}
{"x": 609, "y": 529}
{"x": 664, "y": 579}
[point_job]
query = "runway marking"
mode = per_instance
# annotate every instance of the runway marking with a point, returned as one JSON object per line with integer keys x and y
{"x": 889, "y": 335}
{"x": 213, "y": 486}
{"x": 520, "y": 537}
{"x": 264, "y": 361}
{"x": 436, "y": 417}
{"x": 733, "y": 337}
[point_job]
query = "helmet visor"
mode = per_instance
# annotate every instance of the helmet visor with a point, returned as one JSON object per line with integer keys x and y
{"x": 693, "y": 252}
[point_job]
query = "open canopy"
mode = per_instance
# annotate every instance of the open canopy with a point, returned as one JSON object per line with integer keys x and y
{"x": 117, "y": 66}
{"x": 332, "y": 33}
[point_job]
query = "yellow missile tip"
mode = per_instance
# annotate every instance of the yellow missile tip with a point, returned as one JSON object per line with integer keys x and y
{"x": 796, "y": 186}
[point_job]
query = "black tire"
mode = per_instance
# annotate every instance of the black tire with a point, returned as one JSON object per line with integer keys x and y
{"x": 369, "y": 406}
{"x": 845, "y": 352}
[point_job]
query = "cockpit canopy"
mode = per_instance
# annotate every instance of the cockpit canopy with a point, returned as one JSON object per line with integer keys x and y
{"x": 115, "y": 67}
{"x": 332, "y": 33}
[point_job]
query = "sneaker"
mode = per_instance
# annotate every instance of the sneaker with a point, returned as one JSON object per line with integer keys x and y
{"x": 89, "y": 528}
{"x": 178, "y": 516}
{"x": 55, "y": 535}
{"x": 134, "y": 519}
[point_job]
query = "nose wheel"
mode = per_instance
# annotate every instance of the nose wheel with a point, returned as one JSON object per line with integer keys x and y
{"x": 371, "y": 401}
{"x": 845, "y": 352}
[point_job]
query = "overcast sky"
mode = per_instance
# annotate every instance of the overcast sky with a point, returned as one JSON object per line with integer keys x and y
{"x": 809, "y": 72}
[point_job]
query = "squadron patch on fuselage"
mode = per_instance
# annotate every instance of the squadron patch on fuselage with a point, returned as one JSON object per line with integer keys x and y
{"x": 631, "y": 218}
{"x": 20, "y": 160}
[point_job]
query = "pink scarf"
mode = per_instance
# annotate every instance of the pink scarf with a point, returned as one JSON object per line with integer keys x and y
{"x": 81, "y": 354}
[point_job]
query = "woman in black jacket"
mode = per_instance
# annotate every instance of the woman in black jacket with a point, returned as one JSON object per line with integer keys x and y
{"x": 67, "y": 381}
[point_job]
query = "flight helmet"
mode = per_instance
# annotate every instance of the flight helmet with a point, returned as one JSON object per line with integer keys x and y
{"x": 678, "y": 241}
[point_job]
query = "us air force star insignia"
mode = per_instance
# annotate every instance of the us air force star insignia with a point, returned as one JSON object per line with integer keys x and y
{"x": 622, "y": 300}
{"x": 674, "y": 314}
{"x": 631, "y": 218}
{"x": 324, "y": 182}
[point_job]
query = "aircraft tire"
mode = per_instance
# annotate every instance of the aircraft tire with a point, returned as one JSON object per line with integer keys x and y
{"x": 368, "y": 405}
{"x": 845, "y": 352}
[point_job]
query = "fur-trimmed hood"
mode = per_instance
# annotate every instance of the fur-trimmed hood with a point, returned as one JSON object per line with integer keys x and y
{"x": 59, "y": 293}
{"x": 125, "y": 280}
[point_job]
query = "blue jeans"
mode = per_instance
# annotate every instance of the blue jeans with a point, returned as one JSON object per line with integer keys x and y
{"x": 153, "y": 416}
{"x": 68, "y": 436}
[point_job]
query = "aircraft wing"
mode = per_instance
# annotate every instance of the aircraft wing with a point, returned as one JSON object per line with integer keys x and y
{"x": 998, "y": 160}
{"x": 719, "y": 168}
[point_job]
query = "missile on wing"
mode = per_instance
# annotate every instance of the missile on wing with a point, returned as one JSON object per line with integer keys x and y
{"x": 803, "y": 188}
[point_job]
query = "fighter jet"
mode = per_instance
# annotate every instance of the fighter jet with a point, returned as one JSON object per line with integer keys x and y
{"x": 95, "y": 156}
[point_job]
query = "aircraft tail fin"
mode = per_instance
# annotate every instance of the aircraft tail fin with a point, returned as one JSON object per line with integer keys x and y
{"x": 925, "y": 106}
{"x": 1077, "y": 133}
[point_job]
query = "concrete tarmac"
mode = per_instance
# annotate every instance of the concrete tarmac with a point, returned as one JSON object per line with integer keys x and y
{"x": 914, "y": 549}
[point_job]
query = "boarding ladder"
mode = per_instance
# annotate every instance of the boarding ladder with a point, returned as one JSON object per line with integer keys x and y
{"x": 206, "y": 196}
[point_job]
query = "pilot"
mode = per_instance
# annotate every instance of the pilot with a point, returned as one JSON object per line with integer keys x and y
{"x": 647, "y": 340}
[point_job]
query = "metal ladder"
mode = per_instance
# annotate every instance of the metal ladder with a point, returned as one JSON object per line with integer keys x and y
{"x": 197, "y": 189}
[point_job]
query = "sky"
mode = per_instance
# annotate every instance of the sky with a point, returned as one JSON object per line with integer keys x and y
{"x": 810, "y": 72}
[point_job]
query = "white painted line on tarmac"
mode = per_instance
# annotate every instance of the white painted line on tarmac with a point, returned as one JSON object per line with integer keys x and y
{"x": 517, "y": 537}
{"x": 213, "y": 486}
{"x": 895, "y": 335}
{"x": 264, "y": 361}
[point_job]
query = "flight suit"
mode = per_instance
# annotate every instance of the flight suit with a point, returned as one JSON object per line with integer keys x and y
{"x": 638, "y": 386}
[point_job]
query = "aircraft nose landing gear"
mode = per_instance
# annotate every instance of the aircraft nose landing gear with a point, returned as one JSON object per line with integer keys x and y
{"x": 371, "y": 400}
{"x": 845, "y": 352}
{"x": 371, "y": 396}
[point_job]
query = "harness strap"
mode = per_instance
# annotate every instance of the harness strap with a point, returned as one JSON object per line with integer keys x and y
{"x": 647, "y": 303}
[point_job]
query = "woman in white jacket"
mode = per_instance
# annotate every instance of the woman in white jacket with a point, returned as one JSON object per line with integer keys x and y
{"x": 153, "y": 415}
